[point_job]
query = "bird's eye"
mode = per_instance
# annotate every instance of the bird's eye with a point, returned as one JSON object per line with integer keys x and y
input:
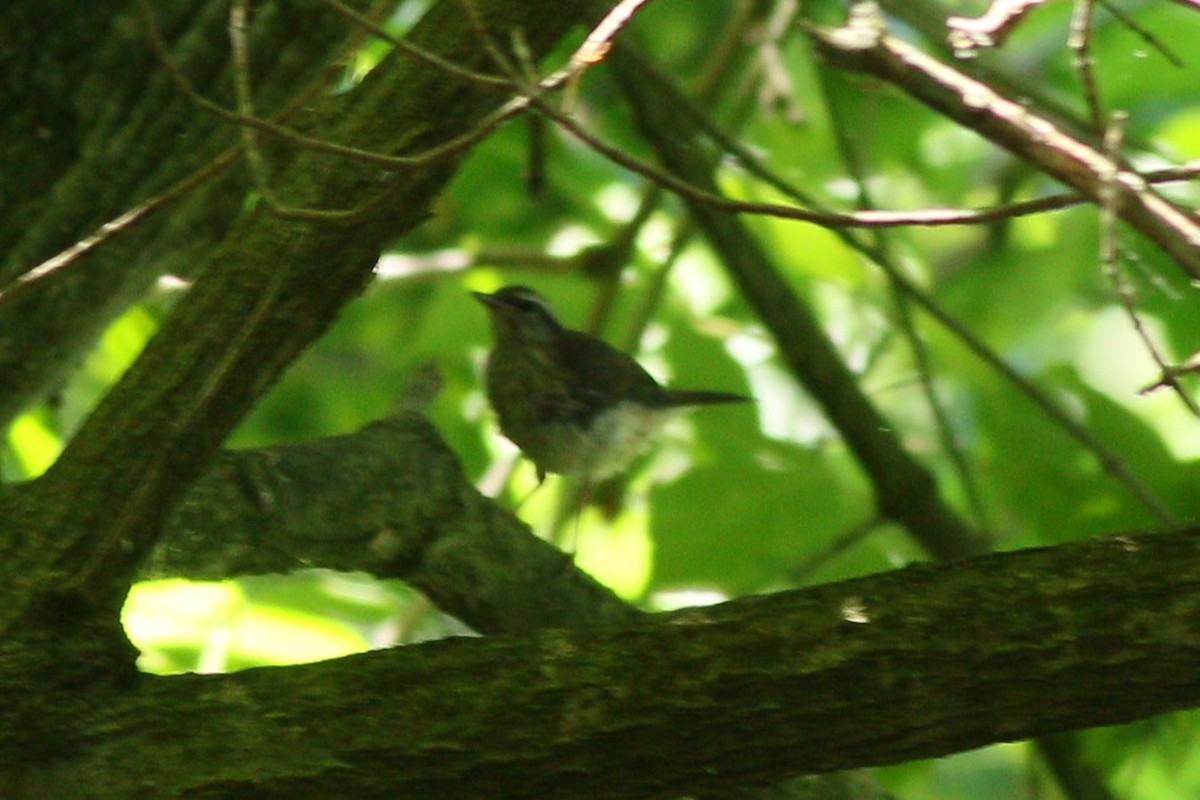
{"x": 536, "y": 308}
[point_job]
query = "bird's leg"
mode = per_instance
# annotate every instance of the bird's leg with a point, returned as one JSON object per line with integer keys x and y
{"x": 564, "y": 528}
{"x": 541, "y": 479}
{"x": 583, "y": 498}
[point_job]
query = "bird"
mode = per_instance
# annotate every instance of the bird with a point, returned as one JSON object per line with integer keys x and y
{"x": 575, "y": 405}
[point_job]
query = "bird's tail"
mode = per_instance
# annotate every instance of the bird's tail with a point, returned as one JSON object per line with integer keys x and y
{"x": 692, "y": 397}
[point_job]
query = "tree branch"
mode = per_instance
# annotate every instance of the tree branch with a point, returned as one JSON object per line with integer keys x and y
{"x": 272, "y": 288}
{"x": 112, "y": 133}
{"x": 390, "y": 500}
{"x": 904, "y": 490}
{"x": 863, "y": 46}
{"x": 916, "y": 663}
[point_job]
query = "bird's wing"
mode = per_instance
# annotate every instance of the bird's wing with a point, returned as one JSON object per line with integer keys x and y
{"x": 602, "y": 375}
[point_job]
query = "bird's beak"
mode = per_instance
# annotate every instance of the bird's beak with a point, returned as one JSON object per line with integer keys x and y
{"x": 495, "y": 304}
{"x": 500, "y": 314}
{"x": 488, "y": 300}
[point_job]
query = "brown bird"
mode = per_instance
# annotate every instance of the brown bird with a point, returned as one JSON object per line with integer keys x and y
{"x": 575, "y": 405}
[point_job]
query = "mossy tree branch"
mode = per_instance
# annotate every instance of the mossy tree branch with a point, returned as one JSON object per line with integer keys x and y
{"x": 916, "y": 663}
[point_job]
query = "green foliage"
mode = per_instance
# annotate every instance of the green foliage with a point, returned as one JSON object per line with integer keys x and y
{"x": 743, "y": 500}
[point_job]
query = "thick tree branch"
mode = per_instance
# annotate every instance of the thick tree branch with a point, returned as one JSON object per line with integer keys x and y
{"x": 915, "y": 663}
{"x": 390, "y": 500}
{"x": 273, "y": 287}
{"x": 112, "y": 131}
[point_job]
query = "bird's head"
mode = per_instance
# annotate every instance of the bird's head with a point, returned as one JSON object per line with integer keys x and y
{"x": 519, "y": 314}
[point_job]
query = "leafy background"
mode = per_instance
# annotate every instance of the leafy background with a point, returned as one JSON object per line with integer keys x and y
{"x": 766, "y": 496}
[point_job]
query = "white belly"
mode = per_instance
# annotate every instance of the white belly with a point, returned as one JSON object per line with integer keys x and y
{"x": 617, "y": 436}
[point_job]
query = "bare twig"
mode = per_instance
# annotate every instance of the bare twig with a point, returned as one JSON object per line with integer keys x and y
{"x": 842, "y": 543}
{"x": 904, "y": 317}
{"x": 1079, "y": 42}
{"x": 930, "y": 217}
{"x": 864, "y": 47}
{"x": 1142, "y": 32}
{"x": 450, "y": 67}
{"x": 1110, "y": 257}
{"x": 990, "y": 29}
{"x": 968, "y": 34}
{"x": 238, "y": 12}
{"x": 599, "y": 42}
{"x": 118, "y": 225}
{"x": 1110, "y": 461}
{"x": 777, "y": 87}
{"x": 1191, "y": 365}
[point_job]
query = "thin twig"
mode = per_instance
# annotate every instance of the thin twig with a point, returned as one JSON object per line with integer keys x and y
{"x": 778, "y": 88}
{"x": 921, "y": 356}
{"x": 928, "y": 217}
{"x": 867, "y": 48}
{"x": 590, "y": 52}
{"x": 1189, "y": 366}
{"x": 119, "y": 224}
{"x": 840, "y": 544}
{"x": 1079, "y": 42}
{"x": 1146, "y": 35}
{"x": 238, "y": 12}
{"x": 1108, "y": 459}
{"x": 931, "y": 217}
{"x": 408, "y": 47}
{"x": 1110, "y": 260}
{"x": 991, "y": 28}
{"x": 599, "y": 41}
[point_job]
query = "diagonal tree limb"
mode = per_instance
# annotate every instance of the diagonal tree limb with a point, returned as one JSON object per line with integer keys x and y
{"x": 109, "y": 139}
{"x": 272, "y": 288}
{"x": 864, "y": 46}
{"x": 904, "y": 490}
